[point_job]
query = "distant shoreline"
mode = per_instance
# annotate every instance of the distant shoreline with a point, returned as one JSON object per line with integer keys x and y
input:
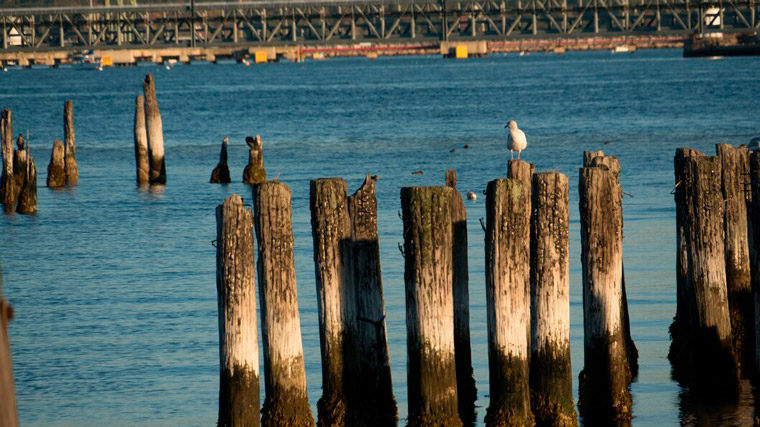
{"x": 272, "y": 53}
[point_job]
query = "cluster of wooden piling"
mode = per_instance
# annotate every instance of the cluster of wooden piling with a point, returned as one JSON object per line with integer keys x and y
{"x": 714, "y": 340}
{"x": 62, "y": 169}
{"x": 356, "y": 366}
{"x": 18, "y": 184}
{"x": 149, "y": 137}
{"x": 527, "y": 286}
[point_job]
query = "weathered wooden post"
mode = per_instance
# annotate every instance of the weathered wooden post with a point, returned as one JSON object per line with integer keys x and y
{"x": 8, "y": 412}
{"x": 466, "y": 390}
{"x": 507, "y": 245}
{"x": 286, "y": 402}
{"x": 375, "y": 403}
{"x": 754, "y": 173}
{"x": 255, "y": 171}
{"x": 431, "y": 369}
{"x": 7, "y": 182}
{"x": 20, "y": 157}
{"x": 27, "y": 198}
{"x": 236, "y": 292}
{"x": 141, "y": 143}
{"x": 735, "y": 170}
{"x": 155, "y": 132}
{"x": 551, "y": 377}
{"x": 56, "y": 177}
{"x": 598, "y": 159}
{"x": 522, "y": 170}
{"x": 603, "y": 391}
{"x": 331, "y": 228}
{"x": 680, "y": 332}
{"x": 72, "y": 173}
{"x": 221, "y": 173}
{"x": 714, "y": 368}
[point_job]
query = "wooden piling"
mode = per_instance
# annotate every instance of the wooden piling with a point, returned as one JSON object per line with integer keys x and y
{"x": 713, "y": 366}
{"x": 754, "y": 173}
{"x": 375, "y": 403}
{"x": 141, "y": 143}
{"x": 522, "y": 170}
{"x": 20, "y": 158}
{"x": 8, "y": 411}
{"x": 734, "y": 176}
{"x": 7, "y": 182}
{"x": 56, "y": 177}
{"x": 255, "y": 171}
{"x": 598, "y": 159}
{"x": 27, "y": 198}
{"x": 236, "y": 291}
{"x": 604, "y": 396}
{"x": 286, "y": 402}
{"x": 431, "y": 369}
{"x": 155, "y": 132}
{"x": 331, "y": 229}
{"x": 466, "y": 390}
{"x": 551, "y": 380}
{"x": 680, "y": 333}
{"x": 507, "y": 244}
{"x": 221, "y": 173}
{"x": 71, "y": 170}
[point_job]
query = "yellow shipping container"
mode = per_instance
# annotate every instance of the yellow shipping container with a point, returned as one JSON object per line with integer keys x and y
{"x": 461, "y": 52}
{"x": 260, "y": 57}
{"x": 106, "y": 61}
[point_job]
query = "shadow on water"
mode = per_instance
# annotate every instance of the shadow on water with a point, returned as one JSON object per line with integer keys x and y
{"x": 701, "y": 409}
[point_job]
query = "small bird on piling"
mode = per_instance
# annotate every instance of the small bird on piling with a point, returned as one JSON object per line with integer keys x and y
{"x": 516, "y": 140}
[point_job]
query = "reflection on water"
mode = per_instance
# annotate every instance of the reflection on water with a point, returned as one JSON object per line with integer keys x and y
{"x": 701, "y": 410}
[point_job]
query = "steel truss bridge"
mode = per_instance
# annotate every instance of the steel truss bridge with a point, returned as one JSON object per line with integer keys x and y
{"x": 248, "y": 23}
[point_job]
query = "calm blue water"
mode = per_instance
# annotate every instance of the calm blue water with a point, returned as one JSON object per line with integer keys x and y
{"x": 114, "y": 287}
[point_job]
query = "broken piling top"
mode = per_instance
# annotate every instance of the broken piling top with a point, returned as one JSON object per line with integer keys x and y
{"x": 155, "y": 132}
{"x": 142, "y": 167}
{"x": 70, "y": 165}
{"x": 221, "y": 173}
{"x": 236, "y": 292}
{"x": 522, "y": 170}
{"x": 507, "y": 247}
{"x": 431, "y": 369}
{"x": 56, "y": 177}
{"x": 551, "y": 380}
{"x": 286, "y": 401}
{"x": 255, "y": 171}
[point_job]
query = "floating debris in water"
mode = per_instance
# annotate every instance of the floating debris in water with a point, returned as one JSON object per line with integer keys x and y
{"x": 417, "y": 173}
{"x": 472, "y": 196}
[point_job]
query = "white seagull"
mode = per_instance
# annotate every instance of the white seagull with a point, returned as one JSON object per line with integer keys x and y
{"x": 516, "y": 140}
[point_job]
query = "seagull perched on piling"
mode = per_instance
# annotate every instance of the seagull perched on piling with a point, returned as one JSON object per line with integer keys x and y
{"x": 516, "y": 140}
